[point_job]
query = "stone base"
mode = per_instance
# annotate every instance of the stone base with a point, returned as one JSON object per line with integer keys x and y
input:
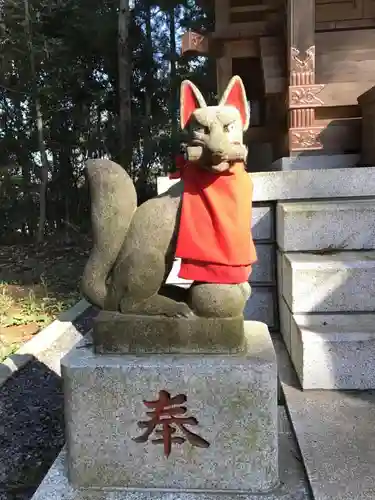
{"x": 116, "y": 333}
{"x": 228, "y": 441}
{"x": 293, "y": 484}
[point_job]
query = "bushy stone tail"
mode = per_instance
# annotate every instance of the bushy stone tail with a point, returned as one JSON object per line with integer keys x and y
{"x": 113, "y": 203}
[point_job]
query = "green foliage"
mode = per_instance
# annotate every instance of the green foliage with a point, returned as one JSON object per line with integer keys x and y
{"x": 74, "y": 43}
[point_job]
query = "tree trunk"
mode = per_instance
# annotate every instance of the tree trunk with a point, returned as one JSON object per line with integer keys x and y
{"x": 39, "y": 126}
{"x": 124, "y": 74}
{"x": 147, "y": 118}
{"x": 173, "y": 95}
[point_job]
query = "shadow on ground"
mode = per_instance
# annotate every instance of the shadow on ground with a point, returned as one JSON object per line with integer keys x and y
{"x": 32, "y": 422}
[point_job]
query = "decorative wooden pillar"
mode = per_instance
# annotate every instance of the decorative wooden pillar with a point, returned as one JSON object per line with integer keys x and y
{"x": 303, "y": 95}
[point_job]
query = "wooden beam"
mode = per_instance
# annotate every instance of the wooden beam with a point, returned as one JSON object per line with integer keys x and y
{"x": 343, "y": 93}
{"x": 194, "y": 43}
{"x": 301, "y": 41}
{"x": 303, "y": 94}
{"x": 247, "y": 30}
{"x": 223, "y": 72}
{"x": 272, "y": 56}
{"x": 221, "y": 14}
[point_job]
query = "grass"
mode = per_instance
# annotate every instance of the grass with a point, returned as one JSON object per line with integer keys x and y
{"x": 36, "y": 285}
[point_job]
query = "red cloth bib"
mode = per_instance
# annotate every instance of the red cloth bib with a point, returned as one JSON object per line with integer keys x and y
{"x": 214, "y": 240}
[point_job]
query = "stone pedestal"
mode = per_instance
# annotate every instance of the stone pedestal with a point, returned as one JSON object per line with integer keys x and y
{"x": 219, "y": 429}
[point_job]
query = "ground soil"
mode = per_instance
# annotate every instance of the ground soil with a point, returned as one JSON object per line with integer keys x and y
{"x": 37, "y": 282}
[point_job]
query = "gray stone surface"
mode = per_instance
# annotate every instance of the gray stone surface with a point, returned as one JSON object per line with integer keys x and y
{"x": 261, "y": 306}
{"x": 313, "y": 162}
{"x": 116, "y": 333}
{"x": 335, "y": 433}
{"x": 293, "y": 485}
{"x": 285, "y": 322}
{"x": 263, "y": 224}
{"x": 264, "y": 270}
{"x": 347, "y": 182}
{"x": 337, "y": 282}
{"x": 234, "y": 399}
{"x": 334, "y": 351}
{"x": 318, "y": 225}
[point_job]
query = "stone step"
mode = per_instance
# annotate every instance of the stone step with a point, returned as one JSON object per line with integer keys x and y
{"x": 340, "y": 282}
{"x": 334, "y": 351}
{"x": 315, "y": 162}
{"x": 335, "y": 433}
{"x": 318, "y": 225}
{"x": 308, "y": 184}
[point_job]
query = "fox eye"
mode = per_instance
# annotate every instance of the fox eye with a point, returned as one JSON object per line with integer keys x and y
{"x": 202, "y": 130}
{"x": 229, "y": 127}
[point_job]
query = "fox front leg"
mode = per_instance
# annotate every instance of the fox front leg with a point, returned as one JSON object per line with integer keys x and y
{"x": 138, "y": 282}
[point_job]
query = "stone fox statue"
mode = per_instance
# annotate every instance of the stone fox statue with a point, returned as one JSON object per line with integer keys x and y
{"x": 205, "y": 219}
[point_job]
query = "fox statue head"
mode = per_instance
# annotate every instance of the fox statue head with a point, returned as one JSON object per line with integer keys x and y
{"x": 214, "y": 134}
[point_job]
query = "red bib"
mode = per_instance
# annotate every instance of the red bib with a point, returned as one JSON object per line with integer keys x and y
{"x": 214, "y": 240}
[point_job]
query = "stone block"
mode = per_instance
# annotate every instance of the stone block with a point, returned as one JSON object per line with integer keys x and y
{"x": 262, "y": 226}
{"x": 318, "y": 225}
{"x": 264, "y": 270}
{"x": 279, "y": 271}
{"x": 261, "y": 306}
{"x": 293, "y": 484}
{"x": 310, "y": 184}
{"x": 231, "y": 401}
{"x": 116, "y": 333}
{"x": 334, "y": 351}
{"x": 347, "y": 182}
{"x": 285, "y": 322}
{"x": 314, "y": 162}
{"x": 337, "y": 282}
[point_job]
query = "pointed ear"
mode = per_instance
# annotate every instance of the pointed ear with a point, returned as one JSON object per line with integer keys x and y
{"x": 190, "y": 100}
{"x": 235, "y": 95}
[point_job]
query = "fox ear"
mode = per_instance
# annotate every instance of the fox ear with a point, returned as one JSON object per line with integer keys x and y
{"x": 190, "y": 100}
{"x": 235, "y": 95}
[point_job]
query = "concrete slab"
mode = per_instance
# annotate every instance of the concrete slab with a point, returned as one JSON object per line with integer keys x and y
{"x": 341, "y": 281}
{"x": 293, "y": 485}
{"x": 334, "y": 351}
{"x": 314, "y": 162}
{"x": 348, "y": 182}
{"x": 335, "y": 433}
{"x": 319, "y": 225}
